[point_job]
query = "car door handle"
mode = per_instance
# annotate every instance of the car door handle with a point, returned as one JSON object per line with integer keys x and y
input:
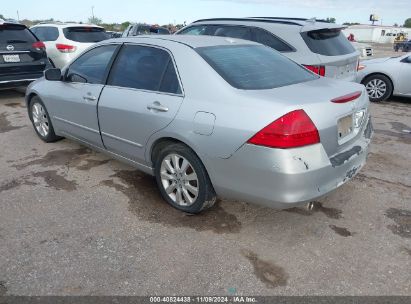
{"x": 89, "y": 98}
{"x": 156, "y": 106}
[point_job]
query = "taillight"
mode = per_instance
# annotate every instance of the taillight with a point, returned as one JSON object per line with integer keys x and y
{"x": 347, "y": 98}
{"x": 295, "y": 129}
{"x": 317, "y": 69}
{"x": 39, "y": 45}
{"x": 65, "y": 48}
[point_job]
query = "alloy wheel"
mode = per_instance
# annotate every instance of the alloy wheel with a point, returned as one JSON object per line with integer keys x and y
{"x": 179, "y": 180}
{"x": 40, "y": 119}
{"x": 376, "y": 88}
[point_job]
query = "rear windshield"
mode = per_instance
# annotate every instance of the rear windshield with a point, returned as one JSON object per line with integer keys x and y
{"x": 10, "y": 33}
{"x": 328, "y": 42}
{"x": 254, "y": 67}
{"x": 85, "y": 34}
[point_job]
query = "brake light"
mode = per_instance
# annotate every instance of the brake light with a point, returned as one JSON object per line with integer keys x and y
{"x": 65, "y": 48}
{"x": 295, "y": 129}
{"x": 39, "y": 45}
{"x": 317, "y": 69}
{"x": 347, "y": 98}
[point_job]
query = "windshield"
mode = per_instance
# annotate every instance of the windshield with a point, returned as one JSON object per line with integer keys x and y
{"x": 254, "y": 67}
{"x": 15, "y": 33}
{"x": 85, "y": 34}
{"x": 328, "y": 42}
{"x": 148, "y": 30}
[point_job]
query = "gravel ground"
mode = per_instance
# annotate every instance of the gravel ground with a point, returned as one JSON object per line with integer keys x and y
{"x": 74, "y": 222}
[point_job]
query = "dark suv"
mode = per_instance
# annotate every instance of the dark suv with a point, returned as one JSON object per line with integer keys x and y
{"x": 22, "y": 56}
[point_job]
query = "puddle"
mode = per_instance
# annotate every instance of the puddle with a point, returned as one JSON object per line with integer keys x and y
{"x": 267, "y": 272}
{"x": 51, "y": 178}
{"x": 3, "y": 288}
{"x": 362, "y": 177}
{"x": 15, "y": 183}
{"x": 342, "y": 231}
{"x": 5, "y": 125}
{"x": 318, "y": 207}
{"x": 406, "y": 250}
{"x": 146, "y": 202}
{"x": 15, "y": 105}
{"x": 402, "y": 219}
{"x": 77, "y": 158}
{"x": 56, "y": 181}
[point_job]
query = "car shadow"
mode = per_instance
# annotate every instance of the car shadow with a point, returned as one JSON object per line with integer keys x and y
{"x": 5, "y": 95}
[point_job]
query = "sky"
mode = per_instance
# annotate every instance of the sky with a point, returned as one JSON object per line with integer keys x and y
{"x": 178, "y": 11}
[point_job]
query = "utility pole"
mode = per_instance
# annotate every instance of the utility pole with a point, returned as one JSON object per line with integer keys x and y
{"x": 92, "y": 12}
{"x": 18, "y": 16}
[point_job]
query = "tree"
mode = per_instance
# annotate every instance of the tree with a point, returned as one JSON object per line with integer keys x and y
{"x": 407, "y": 23}
{"x": 330, "y": 19}
{"x": 95, "y": 20}
{"x": 125, "y": 25}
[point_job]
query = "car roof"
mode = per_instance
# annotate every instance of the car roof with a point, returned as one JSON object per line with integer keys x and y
{"x": 191, "y": 41}
{"x": 11, "y": 22}
{"x": 299, "y": 23}
{"x": 65, "y": 25}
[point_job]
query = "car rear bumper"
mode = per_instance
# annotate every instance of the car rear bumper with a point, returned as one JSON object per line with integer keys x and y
{"x": 290, "y": 177}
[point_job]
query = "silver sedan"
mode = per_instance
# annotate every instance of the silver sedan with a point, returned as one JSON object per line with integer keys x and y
{"x": 384, "y": 77}
{"x": 208, "y": 117}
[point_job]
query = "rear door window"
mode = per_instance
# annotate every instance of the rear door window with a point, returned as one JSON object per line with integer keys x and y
{"x": 268, "y": 39}
{"x": 46, "y": 33}
{"x": 15, "y": 33}
{"x": 254, "y": 67}
{"x": 85, "y": 34}
{"x": 328, "y": 42}
{"x": 145, "y": 68}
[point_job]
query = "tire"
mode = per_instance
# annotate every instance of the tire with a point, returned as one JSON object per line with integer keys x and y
{"x": 379, "y": 87}
{"x": 41, "y": 121}
{"x": 170, "y": 176}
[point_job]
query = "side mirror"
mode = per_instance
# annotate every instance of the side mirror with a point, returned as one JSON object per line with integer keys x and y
{"x": 53, "y": 74}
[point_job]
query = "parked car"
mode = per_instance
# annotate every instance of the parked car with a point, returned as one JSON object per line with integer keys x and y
{"x": 22, "y": 56}
{"x": 64, "y": 41}
{"x": 144, "y": 29}
{"x": 404, "y": 46}
{"x": 112, "y": 34}
{"x": 384, "y": 77}
{"x": 366, "y": 51}
{"x": 318, "y": 45}
{"x": 255, "y": 131}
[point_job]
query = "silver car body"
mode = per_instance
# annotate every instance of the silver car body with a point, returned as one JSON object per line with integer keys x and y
{"x": 291, "y": 31}
{"x": 397, "y": 69}
{"x": 216, "y": 120}
{"x": 58, "y": 58}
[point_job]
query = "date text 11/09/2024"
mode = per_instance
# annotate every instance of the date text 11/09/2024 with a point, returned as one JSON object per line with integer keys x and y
{"x": 205, "y": 299}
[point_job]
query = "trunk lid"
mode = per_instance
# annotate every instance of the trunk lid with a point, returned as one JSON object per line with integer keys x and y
{"x": 314, "y": 97}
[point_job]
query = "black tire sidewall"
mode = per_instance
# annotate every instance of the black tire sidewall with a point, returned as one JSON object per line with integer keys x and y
{"x": 206, "y": 190}
{"x": 51, "y": 136}
{"x": 387, "y": 81}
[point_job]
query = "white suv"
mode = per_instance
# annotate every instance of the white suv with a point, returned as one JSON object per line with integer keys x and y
{"x": 64, "y": 41}
{"x": 318, "y": 45}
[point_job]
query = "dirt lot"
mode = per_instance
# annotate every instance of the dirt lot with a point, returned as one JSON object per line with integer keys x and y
{"x": 74, "y": 222}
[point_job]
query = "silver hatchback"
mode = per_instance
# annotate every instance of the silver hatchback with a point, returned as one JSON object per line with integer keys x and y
{"x": 208, "y": 117}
